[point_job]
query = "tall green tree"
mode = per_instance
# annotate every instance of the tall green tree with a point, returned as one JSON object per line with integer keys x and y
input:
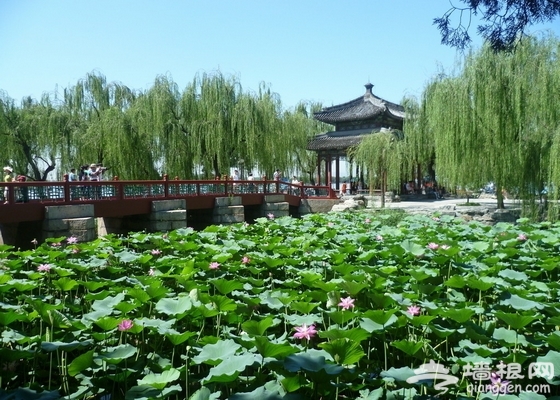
{"x": 33, "y": 135}
{"x": 495, "y": 120}
{"x": 381, "y": 155}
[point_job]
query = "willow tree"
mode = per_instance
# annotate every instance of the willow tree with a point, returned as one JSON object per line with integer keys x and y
{"x": 491, "y": 122}
{"x": 300, "y": 126}
{"x": 381, "y": 155}
{"x": 418, "y": 140}
{"x": 33, "y": 135}
{"x": 105, "y": 131}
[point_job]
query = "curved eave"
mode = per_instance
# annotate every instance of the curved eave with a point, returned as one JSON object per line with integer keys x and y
{"x": 362, "y": 108}
{"x": 340, "y": 140}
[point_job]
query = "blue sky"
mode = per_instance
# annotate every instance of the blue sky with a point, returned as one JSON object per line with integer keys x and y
{"x": 305, "y": 50}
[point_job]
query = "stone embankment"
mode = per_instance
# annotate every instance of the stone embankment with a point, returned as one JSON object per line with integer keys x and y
{"x": 485, "y": 212}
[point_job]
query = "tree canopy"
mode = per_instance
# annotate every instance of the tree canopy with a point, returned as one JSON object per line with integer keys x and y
{"x": 204, "y": 130}
{"x": 504, "y": 21}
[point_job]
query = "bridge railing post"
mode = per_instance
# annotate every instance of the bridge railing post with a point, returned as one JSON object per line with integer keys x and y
{"x": 66, "y": 188}
{"x": 165, "y": 185}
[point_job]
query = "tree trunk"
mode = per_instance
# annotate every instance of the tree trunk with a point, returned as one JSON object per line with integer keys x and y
{"x": 383, "y": 187}
{"x": 500, "y": 196}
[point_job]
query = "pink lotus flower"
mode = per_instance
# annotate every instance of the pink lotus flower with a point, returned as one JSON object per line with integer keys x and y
{"x": 305, "y": 332}
{"x": 367, "y": 221}
{"x": 75, "y": 251}
{"x": 379, "y": 238}
{"x": 270, "y": 216}
{"x": 44, "y": 268}
{"x": 346, "y": 303}
{"x": 245, "y": 260}
{"x": 433, "y": 246}
{"x": 413, "y": 310}
{"x": 522, "y": 237}
{"x": 214, "y": 265}
{"x": 436, "y": 219}
{"x": 56, "y": 244}
{"x": 72, "y": 240}
{"x": 34, "y": 242}
{"x": 125, "y": 325}
{"x": 156, "y": 252}
{"x": 499, "y": 385}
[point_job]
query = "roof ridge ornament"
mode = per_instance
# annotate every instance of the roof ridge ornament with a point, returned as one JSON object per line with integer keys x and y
{"x": 369, "y": 88}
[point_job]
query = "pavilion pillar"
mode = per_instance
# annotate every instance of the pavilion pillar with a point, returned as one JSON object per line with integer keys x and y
{"x": 328, "y": 170}
{"x": 319, "y": 168}
{"x": 337, "y": 172}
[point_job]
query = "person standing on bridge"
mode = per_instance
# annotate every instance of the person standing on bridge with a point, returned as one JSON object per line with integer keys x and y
{"x": 7, "y": 178}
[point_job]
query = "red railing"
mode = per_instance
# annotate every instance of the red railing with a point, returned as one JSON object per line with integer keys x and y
{"x": 65, "y": 192}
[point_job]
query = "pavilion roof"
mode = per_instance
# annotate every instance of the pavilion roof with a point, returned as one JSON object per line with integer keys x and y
{"x": 363, "y": 108}
{"x": 341, "y": 140}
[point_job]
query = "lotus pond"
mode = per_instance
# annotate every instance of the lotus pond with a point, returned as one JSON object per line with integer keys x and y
{"x": 337, "y": 305}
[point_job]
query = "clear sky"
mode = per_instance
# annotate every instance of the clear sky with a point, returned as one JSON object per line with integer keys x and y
{"x": 305, "y": 50}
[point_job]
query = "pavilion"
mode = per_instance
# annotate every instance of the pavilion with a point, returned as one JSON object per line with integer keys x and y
{"x": 354, "y": 120}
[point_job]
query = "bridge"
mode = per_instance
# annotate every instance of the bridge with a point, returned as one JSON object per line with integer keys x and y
{"x": 27, "y": 203}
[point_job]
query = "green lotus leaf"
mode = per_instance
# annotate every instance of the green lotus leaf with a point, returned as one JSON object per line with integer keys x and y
{"x": 344, "y": 351}
{"x": 407, "y": 346}
{"x": 354, "y": 334}
{"x": 108, "y": 303}
{"x": 116, "y": 354}
{"x": 253, "y": 327}
{"x": 552, "y": 357}
{"x": 6, "y": 318}
{"x": 178, "y": 338}
{"x": 213, "y": 353}
{"x": 398, "y": 374}
{"x": 230, "y": 368}
{"x": 81, "y": 363}
{"x": 273, "y": 350}
{"x": 107, "y": 323}
{"x": 21, "y": 285}
{"x": 174, "y": 306}
{"x": 520, "y": 303}
{"x": 127, "y": 256}
{"x": 513, "y": 275}
{"x": 459, "y": 315}
{"x": 204, "y": 394}
{"x": 381, "y": 317}
{"x": 456, "y": 281}
{"x": 260, "y": 393}
{"x": 515, "y": 321}
{"x": 352, "y": 288}
{"x": 226, "y": 286}
{"x": 303, "y": 307}
{"x": 160, "y": 381}
{"x": 308, "y": 362}
{"x": 163, "y": 327}
{"x": 64, "y": 346}
{"x": 65, "y": 284}
{"x": 554, "y": 340}
{"x": 509, "y": 337}
{"x": 372, "y": 326}
{"x": 414, "y": 248}
{"x": 483, "y": 283}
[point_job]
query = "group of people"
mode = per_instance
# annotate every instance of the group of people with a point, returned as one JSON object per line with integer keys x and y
{"x": 21, "y": 193}
{"x": 92, "y": 172}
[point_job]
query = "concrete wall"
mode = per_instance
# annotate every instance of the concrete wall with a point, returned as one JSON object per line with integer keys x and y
{"x": 166, "y": 215}
{"x": 75, "y": 220}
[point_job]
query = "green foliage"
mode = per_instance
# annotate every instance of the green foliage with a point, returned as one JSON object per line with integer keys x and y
{"x": 204, "y": 130}
{"x": 285, "y": 314}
